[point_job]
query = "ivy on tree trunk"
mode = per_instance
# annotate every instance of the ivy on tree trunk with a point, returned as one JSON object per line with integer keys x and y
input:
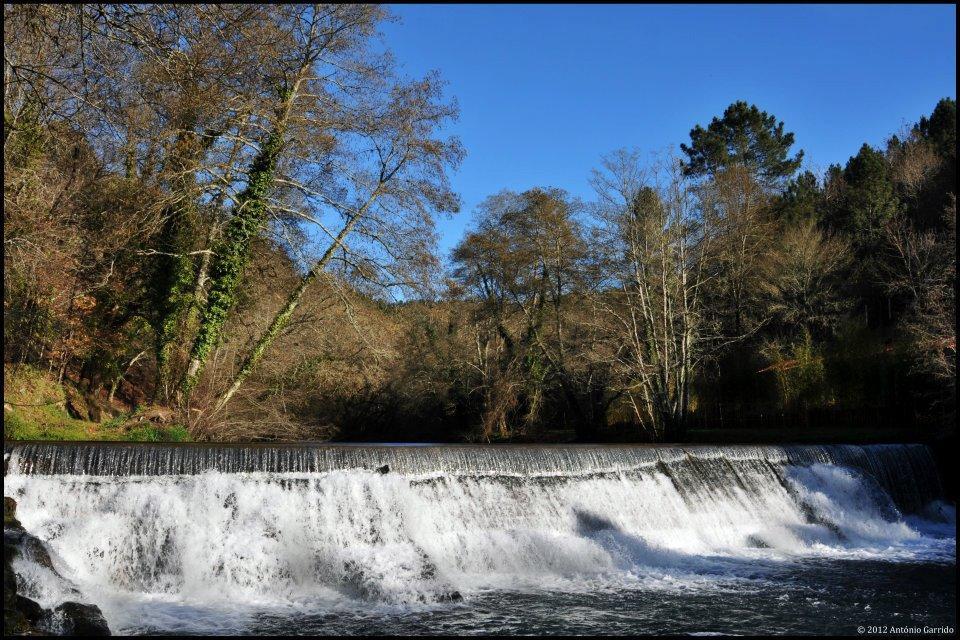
{"x": 232, "y": 251}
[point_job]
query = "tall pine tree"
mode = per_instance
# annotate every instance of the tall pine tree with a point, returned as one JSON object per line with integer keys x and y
{"x": 744, "y": 136}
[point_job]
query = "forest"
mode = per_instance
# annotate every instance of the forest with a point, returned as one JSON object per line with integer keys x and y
{"x": 220, "y": 225}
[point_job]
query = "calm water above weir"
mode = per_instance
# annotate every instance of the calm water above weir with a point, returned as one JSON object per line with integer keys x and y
{"x": 448, "y": 539}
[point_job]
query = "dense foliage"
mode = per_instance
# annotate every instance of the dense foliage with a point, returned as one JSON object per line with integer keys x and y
{"x": 229, "y": 210}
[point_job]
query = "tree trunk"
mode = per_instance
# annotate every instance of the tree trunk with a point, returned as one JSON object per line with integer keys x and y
{"x": 179, "y": 272}
{"x": 233, "y": 250}
{"x": 283, "y": 316}
{"x": 176, "y": 271}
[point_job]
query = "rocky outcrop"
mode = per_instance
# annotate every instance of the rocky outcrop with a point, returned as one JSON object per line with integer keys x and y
{"x": 76, "y": 619}
{"x": 20, "y": 615}
{"x": 23, "y": 616}
{"x": 75, "y": 404}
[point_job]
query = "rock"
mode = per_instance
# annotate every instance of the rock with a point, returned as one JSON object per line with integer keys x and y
{"x": 27, "y": 545}
{"x": 7, "y": 407}
{"x": 158, "y": 415}
{"x": 16, "y": 624}
{"x": 23, "y": 616}
{"x": 32, "y": 611}
{"x": 77, "y": 619}
{"x": 161, "y": 415}
{"x": 14, "y": 621}
{"x": 452, "y": 596}
{"x": 756, "y": 542}
{"x": 76, "y": 405}
{"x": 9, "y": 509}
{"x": 9, "y": 582}
{"x": 384, "y": 469}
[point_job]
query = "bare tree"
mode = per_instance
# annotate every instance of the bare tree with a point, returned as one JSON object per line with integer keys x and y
{"x": 314, "y": 51}
{"x": 393, "y": 181}
{"x": 802, "y": 280}
{"x": 522, "y": 263}
{"x": 923, "y": 268}
{"x": 653, "y": 304}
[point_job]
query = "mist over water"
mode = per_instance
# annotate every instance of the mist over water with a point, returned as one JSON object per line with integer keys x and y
{"x": 447, "y": 539}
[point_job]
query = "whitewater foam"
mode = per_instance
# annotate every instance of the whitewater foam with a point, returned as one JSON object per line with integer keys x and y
{"x": 447, "y": 522}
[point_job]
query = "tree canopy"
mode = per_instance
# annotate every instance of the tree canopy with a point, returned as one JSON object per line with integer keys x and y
{"x": 743, "y": 136}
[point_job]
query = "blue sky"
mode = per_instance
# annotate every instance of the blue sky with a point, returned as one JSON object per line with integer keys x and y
{"x": 545, "y": 90}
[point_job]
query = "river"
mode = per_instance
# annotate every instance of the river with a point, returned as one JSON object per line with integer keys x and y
{"x": 440, "y": 539}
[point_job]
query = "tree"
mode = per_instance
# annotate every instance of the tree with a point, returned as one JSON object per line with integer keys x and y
{"x": 522, "y": 262}
{"x": 941, "y": 127}
{"x": 939, "y": 132}
{"x": 746, "y": 137}
{"x": 406, "y": 185}
{"x": 801, "y": 200}
{"x": 867, "y": 200}
{"x": 304, "y": 35}
{"x": 803, "y": 278}
{"x": 68, "y": 73}
{"x": 922, "y": 266}
{"x": 201, "y": 87}
{"x": 738, "y": 213}
{"x": 743, "y": 159}
{"x": 658, "y": 273}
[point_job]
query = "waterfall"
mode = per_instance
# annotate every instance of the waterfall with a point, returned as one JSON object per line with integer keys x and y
{"x": 396, "y": 525}
{"x": 906, "y": 472}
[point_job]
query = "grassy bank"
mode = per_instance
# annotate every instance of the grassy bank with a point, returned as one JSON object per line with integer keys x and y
{"x": 35, "y": 407}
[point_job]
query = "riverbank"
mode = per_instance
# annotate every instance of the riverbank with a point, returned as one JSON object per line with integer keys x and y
{"x": 37, "y": 407}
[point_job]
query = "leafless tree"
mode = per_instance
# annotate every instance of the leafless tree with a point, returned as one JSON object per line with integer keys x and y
{"x": 658, "y": 251}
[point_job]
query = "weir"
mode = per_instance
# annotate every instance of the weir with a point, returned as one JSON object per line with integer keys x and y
{"x": 217, "y": 525}
{"x": 907, "y": 472}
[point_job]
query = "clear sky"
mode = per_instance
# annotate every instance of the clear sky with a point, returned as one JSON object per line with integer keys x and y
{"x": 545, "y": 90}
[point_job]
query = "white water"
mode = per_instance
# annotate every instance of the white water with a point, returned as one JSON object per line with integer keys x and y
{"x": 180, "y": 548}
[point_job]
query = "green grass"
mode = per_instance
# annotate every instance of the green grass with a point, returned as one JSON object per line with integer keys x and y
{"x": 158, "y": 433}
{"x": 34, "y": 409}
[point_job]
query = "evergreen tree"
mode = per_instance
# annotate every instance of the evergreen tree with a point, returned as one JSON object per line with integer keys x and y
{"x": 744, "y": 136}
{"x": 801, "y": 201}
{"x": 941, "y": 127}
{"x": 867, "y": 200}
{"x": 939, "y": 130}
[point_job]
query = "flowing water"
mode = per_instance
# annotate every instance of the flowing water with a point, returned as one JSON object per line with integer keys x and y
{"x": 475, "y": 539}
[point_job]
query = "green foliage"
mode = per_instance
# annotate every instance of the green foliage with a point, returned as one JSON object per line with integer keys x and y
{"x": 941, "y": 127}
{"x": 232, "y": 251}
{"x": 172, "y": 288}
{"x": 802, "y": 200}
{"x": 800, "y": 372}
{"x": 159, "y": 433}
{"x": 50, "y": 424}
{"x": 940, "y": 130}
{"x": 26, "y": 138}
{"x": 36, "y": 411}
{"x": 743, "y": 136}
{"x": 646, "y": 207}
{"x": 867, "y": 199}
